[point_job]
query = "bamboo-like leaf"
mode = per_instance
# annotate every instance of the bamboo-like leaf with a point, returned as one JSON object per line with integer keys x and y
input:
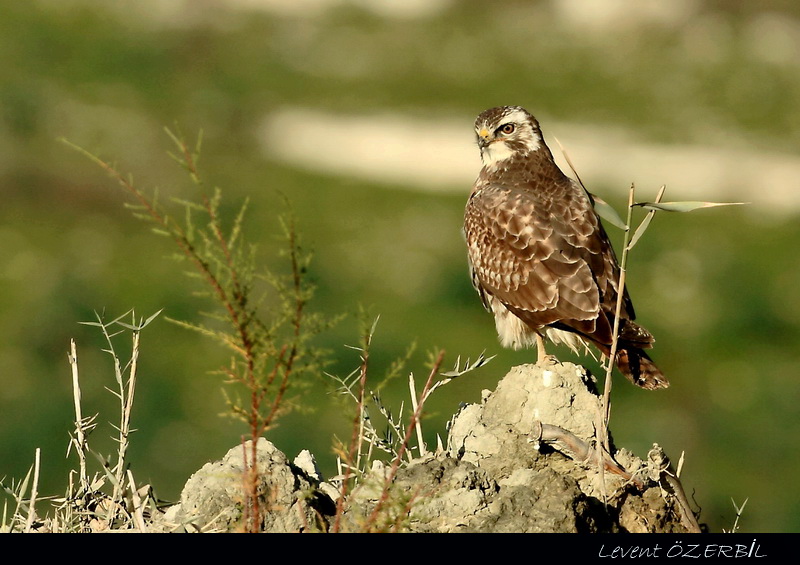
{"x": 141, "y": 325}
{"x": 647, "y": 219}
{"x": 641, "y": 229}
{"x": 607, "y": 212}
{"x": 151, "y": 318}
{"x": 685, "y": 206}
{"x": 22, "y": 489}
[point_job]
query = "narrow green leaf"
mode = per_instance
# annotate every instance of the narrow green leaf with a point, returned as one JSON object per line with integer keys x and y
{"x": 116, "y": 321}
{"x": 605, "y": 211}
{"x": 22, "y": 489}
{"x": 686, "y": 206}
{"x": 647, "y": 219}
{"x": 151, "y": 318}
{"x": 641, "y": 229}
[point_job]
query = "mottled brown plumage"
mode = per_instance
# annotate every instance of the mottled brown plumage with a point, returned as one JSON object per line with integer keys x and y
{"x": 539, "y": 256}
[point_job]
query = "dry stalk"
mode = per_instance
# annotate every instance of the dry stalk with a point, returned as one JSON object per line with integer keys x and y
{"x": 127, "y": 392}
{"x": 136, "y": 504}
{"x": 410, "y": 429}
{"x": 357, "y": 438}
{"x": 34, "y": 492}
{"x": 615, "y": 341}
{"x": 80, "y": 425}
{"x": 415, "y": 406}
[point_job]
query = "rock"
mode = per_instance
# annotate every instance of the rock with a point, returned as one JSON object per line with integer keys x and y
{"x": 212, "y": 499}
{"x": 523, "y": 460}
{"x": 492, "y": 478}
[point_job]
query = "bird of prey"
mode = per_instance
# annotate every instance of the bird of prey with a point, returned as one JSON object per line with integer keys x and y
{"x": 539, "y": 256}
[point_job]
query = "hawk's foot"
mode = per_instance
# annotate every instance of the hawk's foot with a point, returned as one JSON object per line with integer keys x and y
{"x": 546, "y": 360}
{"x": 543, "y": 359}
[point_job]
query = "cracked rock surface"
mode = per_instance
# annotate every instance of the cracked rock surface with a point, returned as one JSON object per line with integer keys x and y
{"x": 492, "y": 477}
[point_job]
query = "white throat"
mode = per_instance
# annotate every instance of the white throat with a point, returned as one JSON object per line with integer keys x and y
{"x": 499, "y": 151}
{"x": 495, "y": 153}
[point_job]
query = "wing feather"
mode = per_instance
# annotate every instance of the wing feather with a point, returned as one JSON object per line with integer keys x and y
{"x": 545, "y": 256}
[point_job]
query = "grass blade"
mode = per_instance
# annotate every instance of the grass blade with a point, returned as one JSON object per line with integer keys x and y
{"x": 685, "y": 206}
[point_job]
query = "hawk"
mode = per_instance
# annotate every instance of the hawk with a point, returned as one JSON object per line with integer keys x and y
{"x": 539, "y": 256}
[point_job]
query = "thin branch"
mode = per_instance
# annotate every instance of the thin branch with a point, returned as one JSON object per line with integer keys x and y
{"x": 354, "y": 453}
{"x": 409, "y": 432}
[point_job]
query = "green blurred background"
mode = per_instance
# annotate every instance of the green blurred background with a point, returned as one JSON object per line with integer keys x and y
{"x": 361, "y": 112}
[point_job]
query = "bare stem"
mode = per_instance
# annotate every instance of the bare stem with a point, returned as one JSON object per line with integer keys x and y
{"x": 80, "y": 435}
{"x": 615, "y": 341}
{"x": 354, "y": 455}
{"x": 34, "y": 492}
{"x": 606, "y": 409}
{"x": 415, "y": 406}
{"x": 138, "y": 515}
{"x": 127, "y": 389}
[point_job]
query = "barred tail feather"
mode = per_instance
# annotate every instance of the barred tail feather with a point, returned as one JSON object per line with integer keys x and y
{"x": 638, "y": 368}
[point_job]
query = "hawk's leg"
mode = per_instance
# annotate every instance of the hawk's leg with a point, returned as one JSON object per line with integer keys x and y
{"x": 542, "y": 358}
{"x": 541, "y": 354}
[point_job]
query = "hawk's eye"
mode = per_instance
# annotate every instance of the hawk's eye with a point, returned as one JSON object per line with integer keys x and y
{"x": 506, "y": 129}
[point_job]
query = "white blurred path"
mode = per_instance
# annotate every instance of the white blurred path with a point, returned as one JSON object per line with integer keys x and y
{"x": 440, "y": 155}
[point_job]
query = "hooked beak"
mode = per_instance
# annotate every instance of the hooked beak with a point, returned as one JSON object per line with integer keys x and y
{"x": 483, "y": 138}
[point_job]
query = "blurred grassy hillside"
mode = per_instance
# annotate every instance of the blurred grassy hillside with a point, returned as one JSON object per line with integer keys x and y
{"x": 719, "y": 288}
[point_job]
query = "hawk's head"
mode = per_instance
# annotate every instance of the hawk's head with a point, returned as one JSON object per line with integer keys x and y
{"x": 506, "y": 131}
